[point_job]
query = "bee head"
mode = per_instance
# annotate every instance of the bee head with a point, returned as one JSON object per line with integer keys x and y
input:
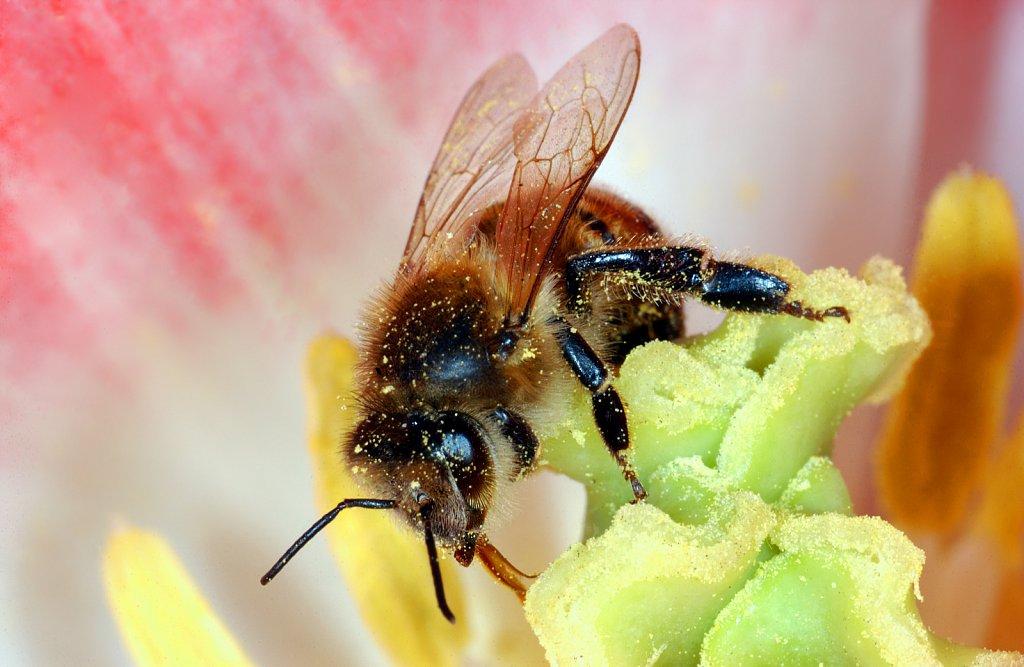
{"x": 437, "y": 458}
{"x": 434, "y": 466}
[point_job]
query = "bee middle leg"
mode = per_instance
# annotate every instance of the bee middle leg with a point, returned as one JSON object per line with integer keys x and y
{"x": 677, "y": 269}
{"x": 609, "y": 413}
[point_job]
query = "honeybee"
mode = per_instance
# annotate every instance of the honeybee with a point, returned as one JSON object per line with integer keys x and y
{"x": 518, "y": 282}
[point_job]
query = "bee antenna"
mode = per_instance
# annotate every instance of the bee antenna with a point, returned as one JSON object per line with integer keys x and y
{"x": 368, "y": 503}
{"x": 435, "y": 567}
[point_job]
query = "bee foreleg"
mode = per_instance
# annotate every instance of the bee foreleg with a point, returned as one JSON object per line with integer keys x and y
{"x": 609, "y": 413}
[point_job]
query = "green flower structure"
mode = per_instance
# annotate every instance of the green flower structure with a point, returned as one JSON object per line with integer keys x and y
{"x": 746, "y": 552}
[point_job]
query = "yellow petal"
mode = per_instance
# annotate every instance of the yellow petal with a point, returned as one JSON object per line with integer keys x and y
{"x": 941, "y": 429}
{"x": 386, "y": 566}
{"x": 163, "y": 618}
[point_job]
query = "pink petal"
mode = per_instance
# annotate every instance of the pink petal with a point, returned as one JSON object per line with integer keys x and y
{"x": 191, "y": 192}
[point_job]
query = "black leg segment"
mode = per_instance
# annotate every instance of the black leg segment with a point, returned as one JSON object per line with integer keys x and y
{"x": 675, "y": 269}
{"x": 609, "y": 413}
{"x": 610, "y": 416}
{"x": 741, "y": 287}
{"x": 582, "y": 359}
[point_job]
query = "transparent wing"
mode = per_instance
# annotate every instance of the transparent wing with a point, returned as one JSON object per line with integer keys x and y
{"x": 475, "y": 162}
{"x": 559, "y": 141}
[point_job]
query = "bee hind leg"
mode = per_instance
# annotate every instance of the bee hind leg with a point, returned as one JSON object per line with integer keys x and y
{"x": 746, "y": 288}
{"x": 665, "y": 269}
{"x": 687, "y": 269}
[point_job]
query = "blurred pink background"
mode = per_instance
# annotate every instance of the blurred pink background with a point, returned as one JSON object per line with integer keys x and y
{"x": 188, "y": 195}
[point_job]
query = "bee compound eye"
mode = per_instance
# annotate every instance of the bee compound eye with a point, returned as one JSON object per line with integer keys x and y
{"x": 455, "y": 437}
{"x": 459, "y": 443}
{"x": 457, "y": 448}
